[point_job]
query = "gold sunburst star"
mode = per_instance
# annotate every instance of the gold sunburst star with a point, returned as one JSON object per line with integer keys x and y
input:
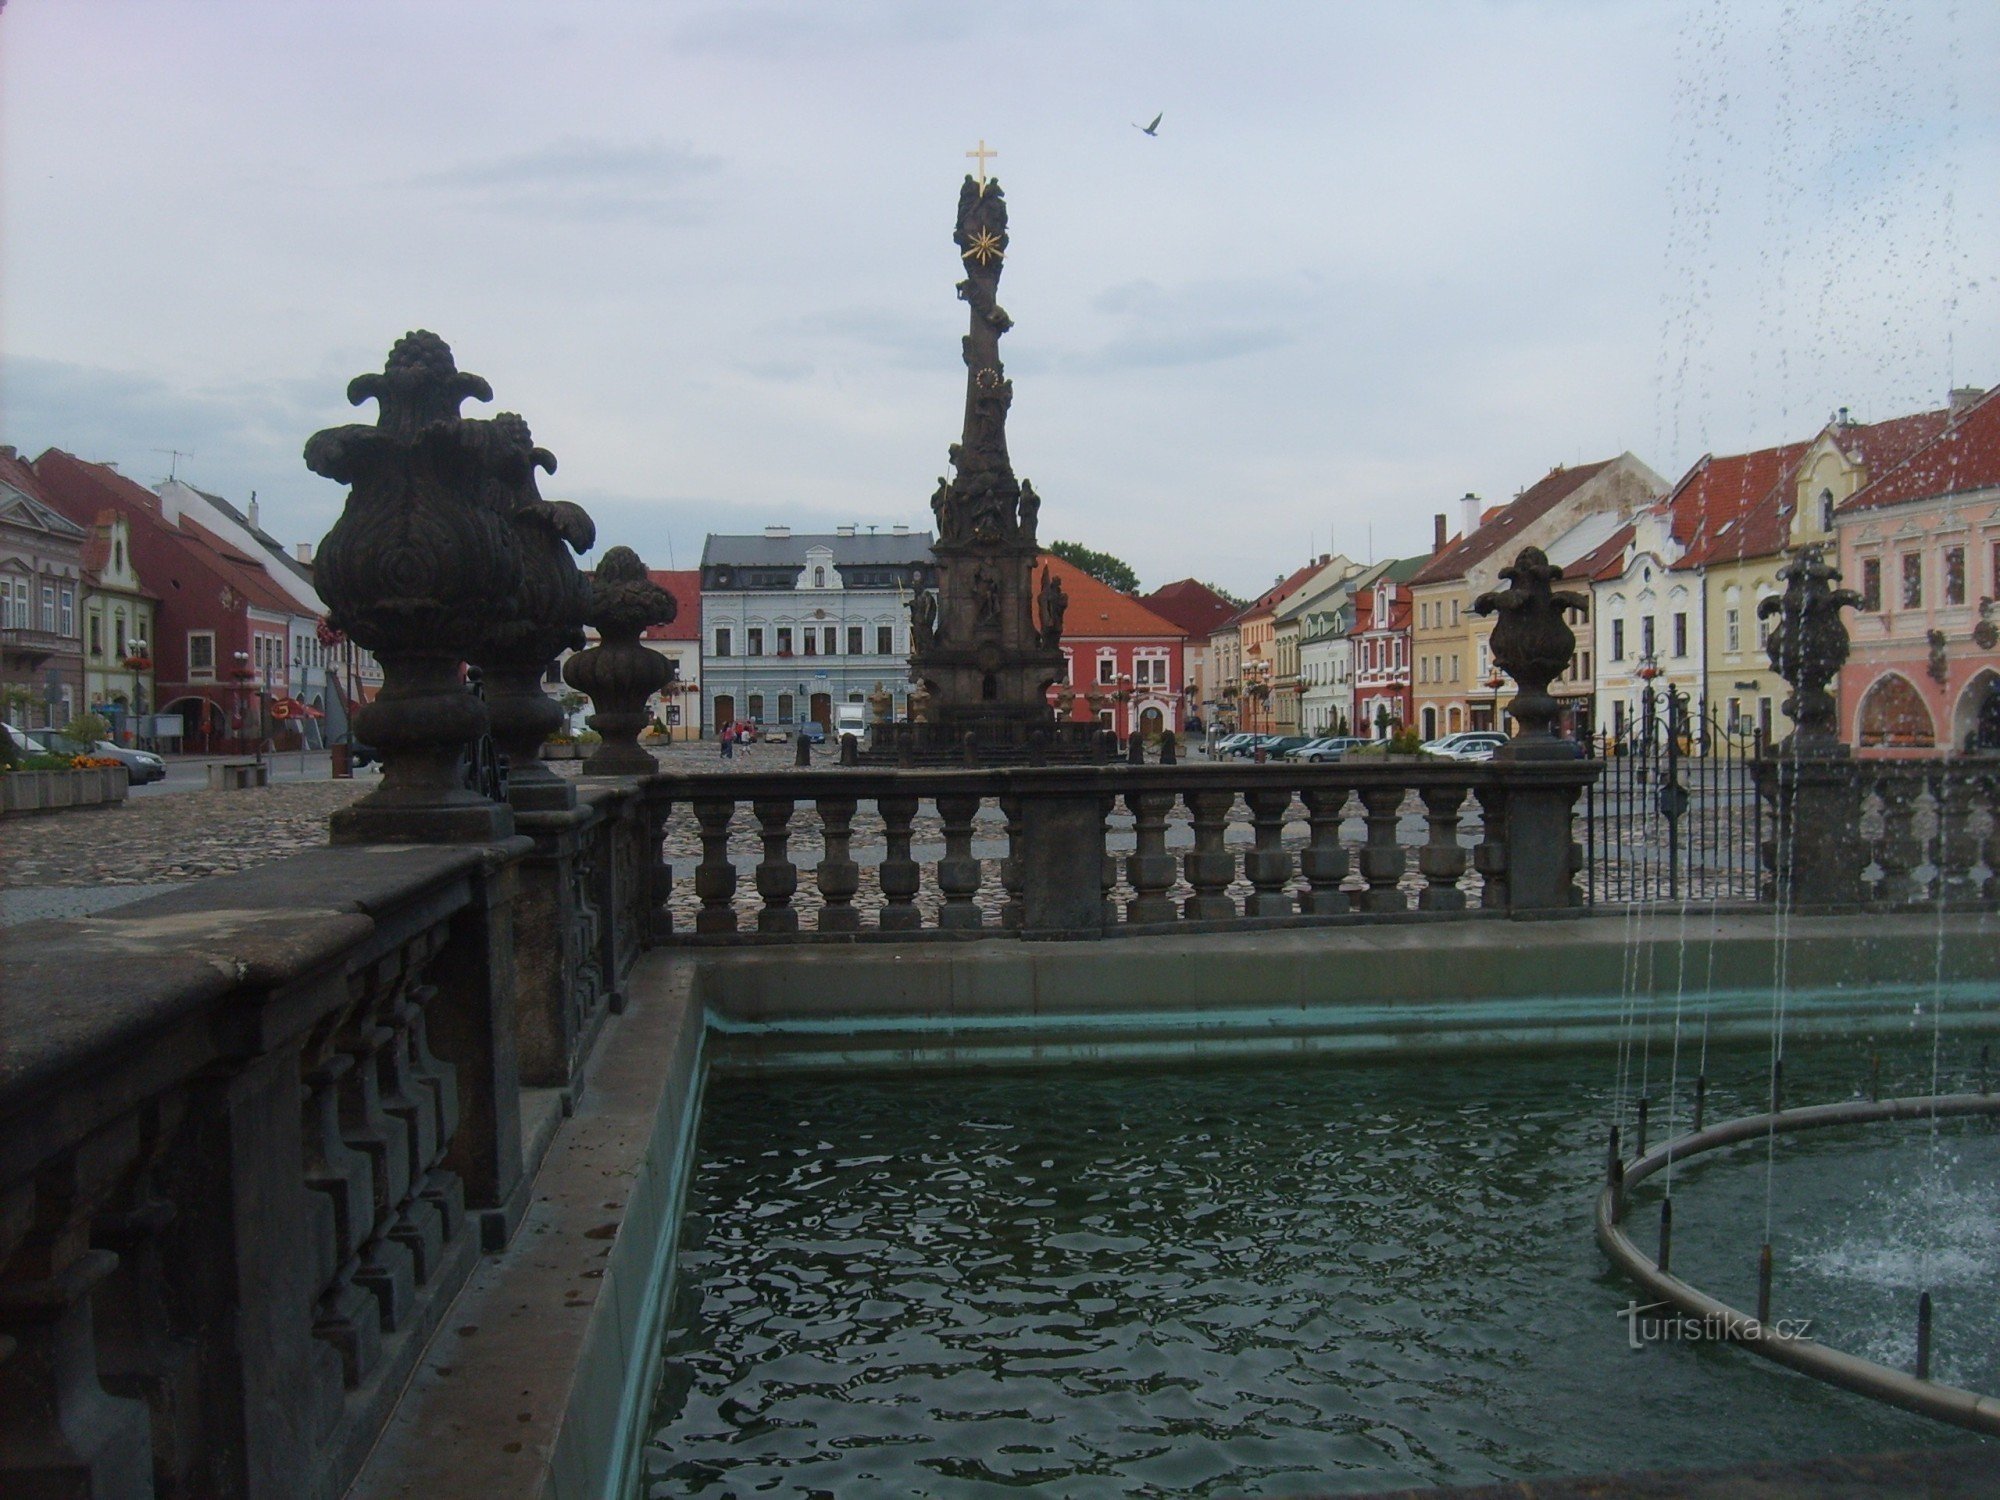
{"x": 985, "y": 248}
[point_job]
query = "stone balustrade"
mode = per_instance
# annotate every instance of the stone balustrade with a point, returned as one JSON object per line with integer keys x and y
{"x": 255, "y": 1132}
{"x": 1882, "y": 834}
{"x": 1071, "y": 852}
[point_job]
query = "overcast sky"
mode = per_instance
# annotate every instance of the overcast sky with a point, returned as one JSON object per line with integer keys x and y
{"x": 1376, "y": 256}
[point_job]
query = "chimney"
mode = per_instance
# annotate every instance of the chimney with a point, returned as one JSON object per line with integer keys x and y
{"x": 7, "y": 450}
{"x": 1468, "y": 514}
{"x": 843, "y": 531}
{"x": 304, "y": 551}
{"x": 777, "y": 533}
{"x": 1437, "y": 533}
{"x": 170, "y": 502}
{"x": 252, "y": 511}
{"x": 1962, "y": 399}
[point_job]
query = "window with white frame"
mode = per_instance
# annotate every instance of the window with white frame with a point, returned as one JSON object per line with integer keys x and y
{"x": 1107, "y": 668}
{"x": 201, "y": 655}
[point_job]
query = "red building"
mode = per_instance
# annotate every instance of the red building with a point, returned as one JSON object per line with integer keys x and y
{"x": 1124, "y": 666}
{"x": 1200, "y": 611}
{"x": 223, "y": 626}
{"x": 1383, "y": 700}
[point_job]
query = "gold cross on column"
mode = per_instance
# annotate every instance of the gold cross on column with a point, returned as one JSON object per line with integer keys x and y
{"x": 982, "y": 154}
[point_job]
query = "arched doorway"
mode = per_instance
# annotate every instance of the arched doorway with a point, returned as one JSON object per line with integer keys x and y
{"x": 1894, "y": 716}
{"x": 822, "y": 711}
{"x": 1152, "y": 723}
{"x": 1430, "y": 724}
{"x": 1451, "y": 720}
{"x": 1975, "y": 723}
{"x": 725, "y": 711}
{"x": 204, "y": 725}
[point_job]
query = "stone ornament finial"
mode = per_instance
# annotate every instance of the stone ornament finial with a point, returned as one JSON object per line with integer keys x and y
{"x": 1808, "y": 646}
{"x": 1533, "y": 644}
{"x": 515, "y": 653}
{"x": 620, "y": 673}
{"x": 419, "y": 569}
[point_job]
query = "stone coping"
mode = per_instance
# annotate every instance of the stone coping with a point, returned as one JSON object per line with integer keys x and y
{"x": 99, "y": 987}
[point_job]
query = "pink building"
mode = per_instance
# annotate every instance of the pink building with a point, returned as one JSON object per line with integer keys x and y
{"x": 1921, "y": 544}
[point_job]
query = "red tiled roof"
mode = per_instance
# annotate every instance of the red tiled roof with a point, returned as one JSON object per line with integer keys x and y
{"x": 1190, "y": 604}
{"x": 1531, "y": 505}
{"x": 1608, "y": 561}
{"x": 242, "y": 570}
{"x": 1880, "y": 444}
{"x": 685, "y": 585}
{"x": 1097, "y": 610}
{"x": 1267, "y": 601}
{"x": 1717, "y": 491}
{"x": 1962, "y": 456}
{"x": 97, "y": 545}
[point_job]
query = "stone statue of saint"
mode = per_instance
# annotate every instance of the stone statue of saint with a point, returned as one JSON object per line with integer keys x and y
{"x": 923, "y": 621}
{"x": 1054, "y": 603}
{"x": 941, "y": 506}
{"x": 986, "y": 596}
{"x": 1031, "y": 508}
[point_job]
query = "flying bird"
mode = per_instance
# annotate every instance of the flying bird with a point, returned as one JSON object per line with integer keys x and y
{"x": 1154, "y": 128}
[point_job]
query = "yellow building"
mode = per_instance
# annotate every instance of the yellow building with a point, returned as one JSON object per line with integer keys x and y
{"x": 1793, "y": 492}
{"x": 118, "y": 617}
{"x": 1568, "y": 513}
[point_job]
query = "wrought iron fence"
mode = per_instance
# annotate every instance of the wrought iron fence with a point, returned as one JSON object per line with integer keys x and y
{"x": 1676, "y": 815}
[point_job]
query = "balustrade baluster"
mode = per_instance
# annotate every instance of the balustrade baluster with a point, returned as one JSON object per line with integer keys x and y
{"x": 1149, "y": 869}
{"x": 659, "y": 872}
{"x": 1268, "y": 866}
{"x": 345, "y": 1316}
{"x": 1489, "y": 855}
{"x": 1324, "y": 860}
{"x": 839, "y": 875}
{"x": 899, "y": 873}
{"x": 715, "y": 876}
{"x": 1210, "y": 866}
{"x": 1958, "y": 835}
{"x": 1984, "y": 792}
{"x": 1107, "y": 869}
{"x": 958, "y": 872}
{"x": 777, "y": 876}
{"x": 1901, "y": 849}
{"x": 1442, "y": 860}
{"x": 1382, "y": 860}
{"x": 1012, "y": 876}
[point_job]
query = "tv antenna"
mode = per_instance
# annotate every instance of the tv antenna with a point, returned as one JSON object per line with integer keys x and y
{"x": 174, "y": 463}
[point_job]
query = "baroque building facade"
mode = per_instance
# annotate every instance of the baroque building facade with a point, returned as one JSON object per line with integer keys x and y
{"x": 793, "y": 623}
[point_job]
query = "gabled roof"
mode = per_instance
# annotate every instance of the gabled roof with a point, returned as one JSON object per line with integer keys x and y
{"x": 685, "y": 585}
{"x": 1963, "y": 456}
{"x": 22, "y": 501}
{"x": 1267, "y": 602}
{"x": 1528, "y": 507}
{"x": 1880, "y": 444}
{"x": 1097, "y": 610}
{"x": 1719, "y": 490}
{"x": 264, "y": 538}
{"x": 1190, "y": 604}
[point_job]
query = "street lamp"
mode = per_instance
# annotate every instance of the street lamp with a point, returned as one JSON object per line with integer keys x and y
{"x": 243, "y": 675}
{"x": 139, "y": 662}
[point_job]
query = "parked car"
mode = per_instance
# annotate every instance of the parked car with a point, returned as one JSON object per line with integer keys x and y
{"x": 1277, "y": 746}
{"x": 142, "y": 765}
{"x": 1475, "y": 744}
{"x": 1326, "y": 748}
{"x": 851, "y": 718}
{"x": 1228, "y": 743}
{"x": 812, "y": 731}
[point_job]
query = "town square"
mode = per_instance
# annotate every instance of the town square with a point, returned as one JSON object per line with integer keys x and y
{"x": 1119, "y": 750}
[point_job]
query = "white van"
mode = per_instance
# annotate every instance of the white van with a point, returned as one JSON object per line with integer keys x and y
{"x": 850, "y": 718}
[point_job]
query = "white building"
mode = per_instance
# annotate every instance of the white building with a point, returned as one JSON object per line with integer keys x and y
{"x": 1646, "y": 621}
{"x": 793, "y": 624}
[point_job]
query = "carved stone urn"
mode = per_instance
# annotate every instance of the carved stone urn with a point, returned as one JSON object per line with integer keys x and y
{"x": 1533, "y": 644}
{"x": 620, "y": 673}
{"x": 554, "y": 595}
{"x": 1807, "y": 646}
{"x": 419, "y": 567}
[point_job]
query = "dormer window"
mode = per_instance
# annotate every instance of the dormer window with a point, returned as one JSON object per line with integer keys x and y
{"x": 819, "y": 578}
